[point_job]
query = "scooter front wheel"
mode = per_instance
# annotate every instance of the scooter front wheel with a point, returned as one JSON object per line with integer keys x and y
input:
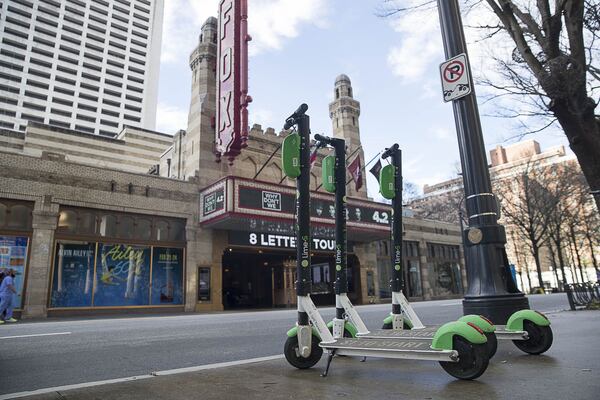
{"x": 291, "y": 350}
{"x": 472, "y": 360}
{"x": 492, "y": 343}
{"x": 540, "y": 338}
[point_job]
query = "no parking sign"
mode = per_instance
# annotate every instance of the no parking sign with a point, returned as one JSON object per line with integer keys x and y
{"x": 455, "y": 78}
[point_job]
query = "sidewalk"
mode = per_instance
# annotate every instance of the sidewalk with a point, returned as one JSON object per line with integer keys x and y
{"x": 570, "y": 370}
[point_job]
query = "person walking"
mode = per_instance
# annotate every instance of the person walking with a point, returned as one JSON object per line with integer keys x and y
{"x": 7, "y": 290}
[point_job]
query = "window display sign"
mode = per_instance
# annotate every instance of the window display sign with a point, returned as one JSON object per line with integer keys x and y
{"x": 122, "y": 275}
{"x": 214, "y": 201}
{"x": 72, "y": 283}
{"x": 167, "y": 276}
{"x": 203, "y": 284}
{"x": 13, "y": 254}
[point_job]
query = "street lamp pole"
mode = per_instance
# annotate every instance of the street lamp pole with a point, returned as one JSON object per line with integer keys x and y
{"x": 491, "y": 289}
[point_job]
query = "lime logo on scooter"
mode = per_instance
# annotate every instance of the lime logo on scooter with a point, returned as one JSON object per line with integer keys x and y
{"x": 338, "y": 257}
{"x": 397, "y": 257}
{"x": 305, "y": 251}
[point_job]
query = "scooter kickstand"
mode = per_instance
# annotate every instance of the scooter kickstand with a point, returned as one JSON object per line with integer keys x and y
{"x": 329, "y": 359}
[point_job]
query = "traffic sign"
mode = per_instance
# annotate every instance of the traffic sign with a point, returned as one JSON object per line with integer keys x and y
{"x": 455, "y": 78}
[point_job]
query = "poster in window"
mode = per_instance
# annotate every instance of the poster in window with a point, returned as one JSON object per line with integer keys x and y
{"x": 13, "y": 254}
{"x": 203, "y": 284}
{"x": 72, "y": 283}
{"x": 122, "y": 275}
{"x": 167, "y": 276}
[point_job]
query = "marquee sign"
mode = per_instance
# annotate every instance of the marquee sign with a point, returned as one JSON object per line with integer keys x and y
{"x": 231, "y": 130}
{"x": 240, "y": 204}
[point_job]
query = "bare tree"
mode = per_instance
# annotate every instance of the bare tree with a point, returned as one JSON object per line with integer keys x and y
{"x": 553, "y": 72}
{"x": 526, "y": 203}
{"x": 445, "y": 207}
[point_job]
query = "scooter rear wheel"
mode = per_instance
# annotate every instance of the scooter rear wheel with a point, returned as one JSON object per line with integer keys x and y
{"x": 540, "y": 338}
{"x": 472, "y": 360}
{"x": 291, "y": 351}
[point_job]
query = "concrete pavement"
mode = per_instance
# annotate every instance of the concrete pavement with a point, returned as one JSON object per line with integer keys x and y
{"x": 570, "y": 370}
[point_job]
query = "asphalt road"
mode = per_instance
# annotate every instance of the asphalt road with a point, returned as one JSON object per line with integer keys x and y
{"x": 74, "y": 351}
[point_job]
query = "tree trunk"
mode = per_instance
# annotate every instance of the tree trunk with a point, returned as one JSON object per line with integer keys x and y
{"x": 561, "y": 262}
{"x": 573, "y": 267}
{"x": 559, "y": 284}
{"x": 582, "y": 128}
{"x": 576, "y": 248}
{"x": 591, "y": 244}
{"x": 536, "y": 257}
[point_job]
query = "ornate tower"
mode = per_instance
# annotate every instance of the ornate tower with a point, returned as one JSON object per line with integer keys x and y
{"x": 198, "y": 144}
{"x": 344, "y": 111}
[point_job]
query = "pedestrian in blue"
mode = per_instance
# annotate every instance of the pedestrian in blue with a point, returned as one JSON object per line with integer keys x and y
{"x": 7, "y": 289}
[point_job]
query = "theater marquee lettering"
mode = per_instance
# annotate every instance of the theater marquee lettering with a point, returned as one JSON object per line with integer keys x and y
{"x": 252, "y": 198}
{"x": 257, "y": 239}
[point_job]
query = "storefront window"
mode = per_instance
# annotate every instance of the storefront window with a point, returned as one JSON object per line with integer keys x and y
{"x": 125, "y": 228}
{"x": 122, "y": 275}
{"x": 13, "y": 255}
{"x": 444, "y": 269}
{"x": 320, "y": 277}
{"x": 167, "y": 276}
{"x": 73, "y": 279}
{"x": 414, "y": 278}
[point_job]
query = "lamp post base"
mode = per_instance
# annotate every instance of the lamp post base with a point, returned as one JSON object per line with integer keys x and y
{"x": 496, "y": 308}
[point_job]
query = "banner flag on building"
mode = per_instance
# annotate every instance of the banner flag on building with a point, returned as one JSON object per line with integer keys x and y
{"x": 313, "y": 156}
{"x": 375, "y": 169}
{"x": 355, "y": 170}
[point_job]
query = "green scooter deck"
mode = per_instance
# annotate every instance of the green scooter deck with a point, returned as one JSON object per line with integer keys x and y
{"x": 427, "y": 334}
{"x": 395, "y": 348}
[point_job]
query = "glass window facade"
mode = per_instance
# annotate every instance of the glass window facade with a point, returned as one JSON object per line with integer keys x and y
{"x": 113, "y": 259}
{"x": 412, "y": 269}
{"x": 92, "y": 274}
{"x": 444, "y": 269}
{"x": 13, "y": 255}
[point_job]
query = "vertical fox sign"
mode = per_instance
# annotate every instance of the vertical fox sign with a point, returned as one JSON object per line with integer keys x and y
{"x": 231, "y": 131}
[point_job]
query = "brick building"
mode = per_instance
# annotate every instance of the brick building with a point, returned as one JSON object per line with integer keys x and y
{"x": 150, "y": 221}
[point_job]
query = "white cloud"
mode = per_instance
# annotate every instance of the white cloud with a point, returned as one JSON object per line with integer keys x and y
{"x": 170, "y": 119}
{"x": 441, "y": 133}
{"x": 270, "y": 23}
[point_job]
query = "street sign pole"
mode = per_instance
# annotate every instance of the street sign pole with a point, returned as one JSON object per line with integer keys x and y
{"x": 491, "y": 290}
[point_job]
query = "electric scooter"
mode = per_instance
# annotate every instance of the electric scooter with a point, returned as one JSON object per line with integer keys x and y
{"x": 529, "y": 330}
{"x": 459, "y": 347}
{"x": 348, "y": 322}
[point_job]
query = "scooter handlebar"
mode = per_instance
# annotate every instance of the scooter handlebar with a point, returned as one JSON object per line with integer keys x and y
{"x": 291, "y": 120}
{"x": 321, "y": 138}
{"x": 388, "y": 152}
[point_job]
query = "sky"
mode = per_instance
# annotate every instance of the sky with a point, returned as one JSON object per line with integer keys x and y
{"x": 300, "y": 46}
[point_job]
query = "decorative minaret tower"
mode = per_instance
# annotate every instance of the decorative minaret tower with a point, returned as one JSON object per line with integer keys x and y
{"x": 200, "y": 136}
{"x": 344, "y": 111}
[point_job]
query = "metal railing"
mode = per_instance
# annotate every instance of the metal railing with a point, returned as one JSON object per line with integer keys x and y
{"x": 582, "y": 294}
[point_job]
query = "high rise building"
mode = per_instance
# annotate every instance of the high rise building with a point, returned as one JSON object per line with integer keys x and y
{"x": 86, "y": 65}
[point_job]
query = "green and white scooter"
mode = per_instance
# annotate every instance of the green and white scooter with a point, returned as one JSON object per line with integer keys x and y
{"x": 347, "y": 322}
{"x": 459, "y": 347}
{"x": 529, "y": 330}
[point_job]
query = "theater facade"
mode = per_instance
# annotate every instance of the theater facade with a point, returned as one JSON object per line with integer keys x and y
{"x": 146, "y": 221}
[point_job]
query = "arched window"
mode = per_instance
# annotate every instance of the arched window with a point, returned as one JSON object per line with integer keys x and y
{"x": 87, "y": 223}
{"x": 3, "y": 214}
{"x": 67, "y": 221}
{"x": 162, "y": 230}
{"x": 108, "y": 226}
{"x": 143, "y": 229}
{"x": 177, "y": 232}
{"x": 125, "y": 228}
{"x": 19, "y": 217}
